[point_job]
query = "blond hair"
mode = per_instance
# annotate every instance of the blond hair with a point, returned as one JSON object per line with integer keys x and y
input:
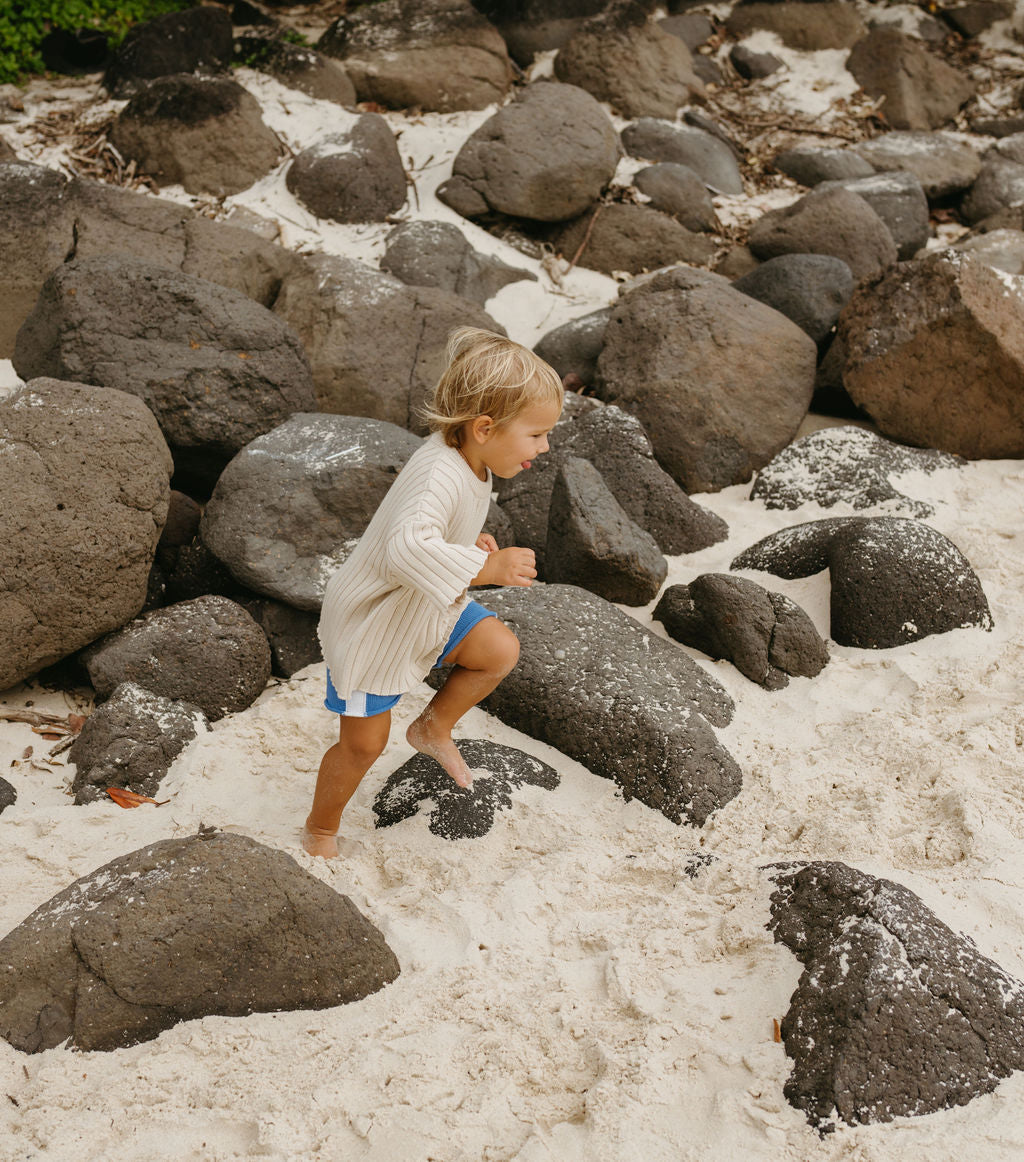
{"x": 488, "y": 375}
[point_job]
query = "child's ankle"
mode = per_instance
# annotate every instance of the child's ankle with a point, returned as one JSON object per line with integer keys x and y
{"x": 321, "y": 832}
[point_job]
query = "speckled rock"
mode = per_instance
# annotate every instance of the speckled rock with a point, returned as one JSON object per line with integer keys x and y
{"x": 893, "y": 579}
{"x": 197, "y": 40}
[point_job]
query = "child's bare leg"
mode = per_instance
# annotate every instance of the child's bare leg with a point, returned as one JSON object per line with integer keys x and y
{"x": 484, "y": 656}
{"x": 360, "y": 743}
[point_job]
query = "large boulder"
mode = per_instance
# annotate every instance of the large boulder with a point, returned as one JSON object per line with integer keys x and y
{"x": 808, "y": 27}
{"x": 297, "y": 67}
{"x": 893, "y": 580}
{"x": 215, "y": 924}
{"x": 809, "y": 289}
{"x": 622, "y": 57}
{"x": 1000, "y": 249}
{"x": 895, "y": 1014}
{"x": 351, "y": 176}
{"x": 130, "y": 741}
{"x": 532, "y": 26}
{"x": 629, "y": 706}
{"x": 291, "y": 505}
{"x": 765, "y": 635}
{"x": 461, "y": 812}
{"x": 921, "y": 91}
{"x": 204, "y": 133}
{"x": 37, "y": 236}
{"x": 847, "y": 465}
{"x": 426, "y": 253}
{"x": 341, "y": 309}
{"x": 827, "y": 221}
{"x": 707, "y": 155}
{"x": 84, "y": 475}
{"x": 593, "y": 543}
{"x": 899, "y": 200}
{"x": 438, "y": 55}
{"x": 719, "y": 381}
{"x": 573, "y": 348}
{"x": 934, "y": 353}
{"x": 216, "y": 368}
{"x": 197, "y": 40}
{"x": 208, "y": 652}
{"x": 545, "y": 156}
{"x": 621, "y": 236}
{"x": 942, "y": 163}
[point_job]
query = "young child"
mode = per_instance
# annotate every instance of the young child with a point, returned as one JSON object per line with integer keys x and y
{"x": 398, "y": 605}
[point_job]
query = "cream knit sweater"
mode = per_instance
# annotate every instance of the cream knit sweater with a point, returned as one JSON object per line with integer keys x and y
{"x": 392, "y": 605}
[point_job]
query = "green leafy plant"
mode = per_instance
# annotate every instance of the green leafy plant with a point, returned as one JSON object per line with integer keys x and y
{"x": 24, "y": 24}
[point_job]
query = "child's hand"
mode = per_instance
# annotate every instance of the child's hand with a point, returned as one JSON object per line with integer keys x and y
{"x": 486, "y": 542}
{"x": 508, "y": 567}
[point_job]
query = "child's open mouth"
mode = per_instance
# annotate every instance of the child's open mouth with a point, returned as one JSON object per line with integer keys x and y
{"x": 527, "y": 463}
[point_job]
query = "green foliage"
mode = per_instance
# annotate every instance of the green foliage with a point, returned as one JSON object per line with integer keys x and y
{"x": 24, "y": 23}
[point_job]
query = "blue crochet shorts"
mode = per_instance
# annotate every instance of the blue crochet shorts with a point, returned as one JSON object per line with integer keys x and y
{"x": 362, "y": 705}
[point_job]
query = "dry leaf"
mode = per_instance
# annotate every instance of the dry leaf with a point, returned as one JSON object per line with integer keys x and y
{"x": 125, "y": 798}
{"x": 777, "y": 1032}
{"x": 76, "y": 722}
{"x": 26, "y": 753}
{"x": 46, "y": 732}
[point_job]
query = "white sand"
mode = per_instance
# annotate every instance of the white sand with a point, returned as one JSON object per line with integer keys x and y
{"x": 566, "y": 991}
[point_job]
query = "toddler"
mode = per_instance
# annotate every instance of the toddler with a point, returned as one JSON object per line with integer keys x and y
{"x": 398, "y": 605}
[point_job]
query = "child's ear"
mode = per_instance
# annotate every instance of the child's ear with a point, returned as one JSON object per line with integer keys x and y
{"x": 481, "y": 429}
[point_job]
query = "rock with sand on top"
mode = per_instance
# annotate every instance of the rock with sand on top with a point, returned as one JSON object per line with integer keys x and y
{"x": 216, "y": 924}
{"x": 942, "y": 163}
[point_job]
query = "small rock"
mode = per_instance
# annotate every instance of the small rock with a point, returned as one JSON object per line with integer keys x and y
{"x": 707, "y": 155}
{"x": 680, "y": 191}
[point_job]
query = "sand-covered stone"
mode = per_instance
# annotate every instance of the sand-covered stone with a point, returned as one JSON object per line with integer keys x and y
{"x": 942, "y": 163}
{"x": 84, "y": 475}
{"x": 355, "y": 175}
{"x": 622, "y": 57}
{"x": 207, "y": 651}
{"x": 376, "y": 346}
{"x": 438, "y": 55}
{"x": 593, "y": 543}
{"x": 895, "y": 1014}
{"x": 215, "y": 368}
{"x": 628, "y": 705}
{"x": 847, "y": 465}
{"x": 204, "y": 133}
{"x": 893, "y": 580}
{"x": 765, "y": 635}
{"x": 545, "y": 156}
{"x": 290, "y": 507}
{"x": 460, "y": 812}
{"x": 934, "y": 353}
{"x": 719, "y": 381}
{"x": 130, "y": 741}
{"x": 827, "y": 221}
{"x": 182, "y": 929}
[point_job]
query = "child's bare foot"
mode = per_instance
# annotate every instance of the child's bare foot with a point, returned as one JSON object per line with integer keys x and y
{"x": 317, "y": 841}
{"x": 423, "y": 736}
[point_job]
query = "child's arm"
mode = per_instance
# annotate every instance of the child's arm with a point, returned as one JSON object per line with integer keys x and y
{"x": 512, "y": 566}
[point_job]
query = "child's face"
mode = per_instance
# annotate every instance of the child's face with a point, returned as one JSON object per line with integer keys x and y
{"x": 511, "y": 449}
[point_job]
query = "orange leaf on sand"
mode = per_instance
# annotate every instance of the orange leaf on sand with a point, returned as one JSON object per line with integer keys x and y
{"x": 76, "y": 722}
{"x": 125, "y": 798}
{"x": 50, "y": 734}
{"x": 777, "y": 1032}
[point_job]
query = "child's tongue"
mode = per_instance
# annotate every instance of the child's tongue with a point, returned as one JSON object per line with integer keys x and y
{"x": 526, "y": 463}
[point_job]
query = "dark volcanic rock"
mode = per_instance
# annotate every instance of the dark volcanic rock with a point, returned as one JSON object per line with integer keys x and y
{"x": 352, "y": 176}
{"x": 573, "y": 347}
{"x": 705, "y": 153}
{"x": 631, "y": 62}
{"x": 809, "y": 289}
{"x": 216, "y": 368}
{"x": 593, "y": 543}
{"x": 827, "y": 221}
{"x": 940, "y": 162}
{"x": 921, "y": 91}
{"x": 297, "y": 67}
{"x": 532, "y": 26}
{"x": 846, "y": 465}
{"x": 678, "y": 190}
{"x": 753, "y": 66}
{"x": 687, "y": 355}
{"x": 934, "y": 353}
{"x": 628, "y": 705}
{"x": 291, "y": 505}
{"x": 894, "y": 580}
{"x": 8, "y": 795}
{"x": 440, "y": 55}
{"x": 899, "y": 200}
{"x": 765, "y": 635}
{"x": 291, "y": 634}
{"x": 84, "y": 479}
{"x": 182, "y": 929}
{"x": 895, "y": 1014}
{"x": 1000, "y": 184}
{"x": 461, "y": 813}
{"x": 809, "y": 27}
{"x": 197, "y": 40}
{"x": 130, "y": 741}
{"x": 626, "y": 237}
{"x": 204, "y": 133}
{"x": 439, "y": 254}
{"x": 208, "y": 651}
{"x": 545, "y": 156}
{"x": 810, "y": 165}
